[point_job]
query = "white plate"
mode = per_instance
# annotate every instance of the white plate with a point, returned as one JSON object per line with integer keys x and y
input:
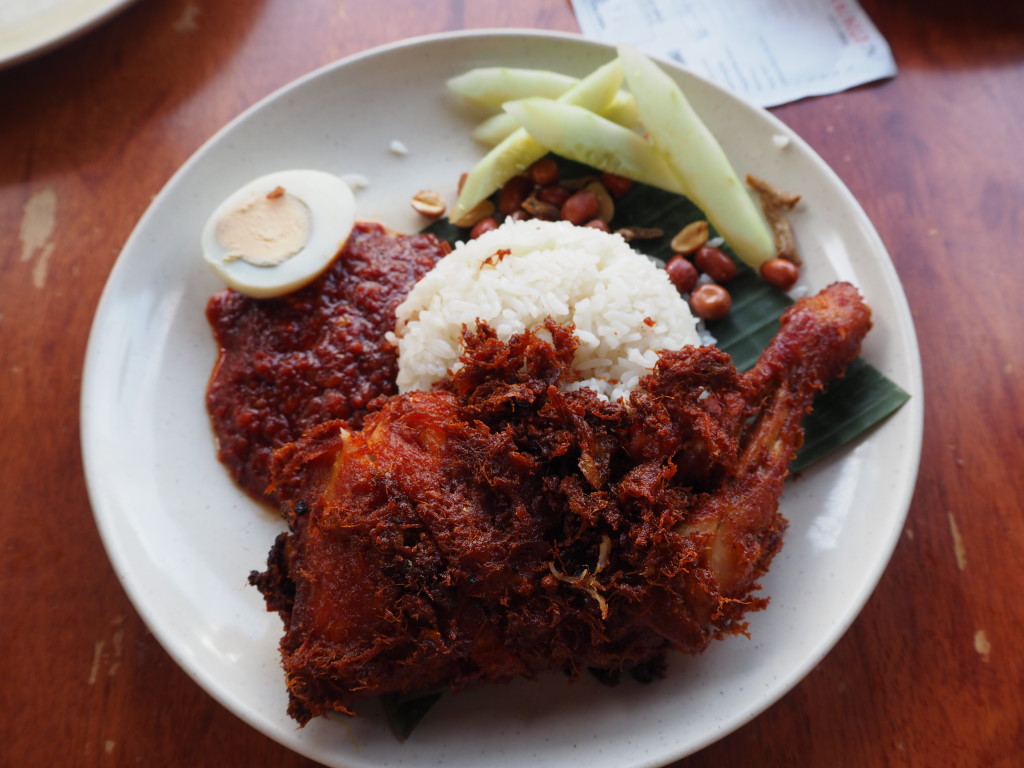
{"x": 31, "y": 27}
{"x": 183, "y": 539}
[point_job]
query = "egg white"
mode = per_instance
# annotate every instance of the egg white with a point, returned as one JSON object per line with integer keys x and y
{"x": 330, "y": 206}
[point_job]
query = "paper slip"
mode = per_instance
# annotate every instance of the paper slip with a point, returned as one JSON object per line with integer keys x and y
{"x": 768, "y": 52}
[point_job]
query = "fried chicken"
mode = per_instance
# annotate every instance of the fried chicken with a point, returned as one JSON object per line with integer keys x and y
{"x": 500, "y": 526}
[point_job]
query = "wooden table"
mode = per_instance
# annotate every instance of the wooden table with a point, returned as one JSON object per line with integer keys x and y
{"x": 932, "y": 672}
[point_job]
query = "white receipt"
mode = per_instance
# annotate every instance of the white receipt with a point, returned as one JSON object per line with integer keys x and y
{"x": 768, "y": 52}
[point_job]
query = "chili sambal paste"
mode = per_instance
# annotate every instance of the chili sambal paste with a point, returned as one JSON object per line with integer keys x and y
{"x": 290, "y": 363}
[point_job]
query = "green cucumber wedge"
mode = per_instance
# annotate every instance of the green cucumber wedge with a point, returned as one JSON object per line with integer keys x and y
{"x": 578, "y": 134}
{"x": 697, "y": 159}
{"x": 495, "y": 129}
{"x": 493, "y": 86}
{"x": 491, "y": 131}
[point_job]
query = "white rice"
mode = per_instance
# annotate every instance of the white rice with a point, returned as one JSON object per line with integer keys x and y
{"x": 552, "y": 269}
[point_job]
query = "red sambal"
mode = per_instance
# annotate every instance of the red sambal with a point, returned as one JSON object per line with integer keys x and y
{"x": 290, "y": 363}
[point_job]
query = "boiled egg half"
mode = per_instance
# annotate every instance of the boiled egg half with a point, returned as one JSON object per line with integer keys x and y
{"x": 279, "y": 232}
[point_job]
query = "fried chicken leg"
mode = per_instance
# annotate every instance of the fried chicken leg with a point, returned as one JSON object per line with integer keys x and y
{"x": 741, "y": 518}
{"x": 498, "y": 526}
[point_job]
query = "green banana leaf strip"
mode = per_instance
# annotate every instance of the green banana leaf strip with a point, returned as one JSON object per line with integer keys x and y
{"x": 848, "y": 408}
{"x": 404, "y": 711}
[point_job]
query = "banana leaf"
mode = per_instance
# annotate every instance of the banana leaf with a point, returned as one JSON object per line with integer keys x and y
{"x": 404, "y": 711}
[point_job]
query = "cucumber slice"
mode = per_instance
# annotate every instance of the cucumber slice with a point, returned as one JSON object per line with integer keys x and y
{"x": 493, "y": 86}
{"x": 696, "y": 158}
{"x": 494, "y": 129}
{"x": 580, "y": 135}
{"x": 519, "y": 150}
{"x": 623, "y": 110}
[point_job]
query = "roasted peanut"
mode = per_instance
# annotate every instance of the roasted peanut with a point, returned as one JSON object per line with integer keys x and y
{"x": 581, "y": 207}
{"x": 710, "y": 301}
{"x": 617, "y": 185}
{"x": 515, "y": 191}
{"x": 605, "y": 204}
{"x": 428, "y": 202}
{"x": 682, "y": 274}
{"x": 553, "y": 194}
{"x": 781, "y": 273}
{"x": 544, "y": 171}
{"x": 718, "y": 266}
{"x": 484, "y": 225}
{"x": 690, "y": 238}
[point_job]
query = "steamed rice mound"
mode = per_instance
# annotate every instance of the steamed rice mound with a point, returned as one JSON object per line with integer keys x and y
{"x": 623, "y": 306}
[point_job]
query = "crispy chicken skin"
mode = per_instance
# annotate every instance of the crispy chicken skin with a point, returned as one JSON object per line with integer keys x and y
{"x": 498, "y": 526}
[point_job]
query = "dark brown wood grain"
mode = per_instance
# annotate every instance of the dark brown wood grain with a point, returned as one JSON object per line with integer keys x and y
{"x": 930, "y": 674}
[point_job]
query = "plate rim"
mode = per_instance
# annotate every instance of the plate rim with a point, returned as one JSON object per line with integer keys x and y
{"x": 60, "y": 34}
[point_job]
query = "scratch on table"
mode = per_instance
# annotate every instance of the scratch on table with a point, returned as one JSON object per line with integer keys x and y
{"x": 38, "y": 223}
{"x": 115, "y": 663}
{"x": 108, "y": 746}
{"x": 982, "y": 645}
{"x": 100, "y": 654}
{"x": 189, "y": 19}
{"x": 97, "y": 655}
{"x": 959, "y": 552}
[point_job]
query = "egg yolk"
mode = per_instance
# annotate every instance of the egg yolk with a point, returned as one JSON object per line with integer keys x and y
{"x": 265, "y": 229}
